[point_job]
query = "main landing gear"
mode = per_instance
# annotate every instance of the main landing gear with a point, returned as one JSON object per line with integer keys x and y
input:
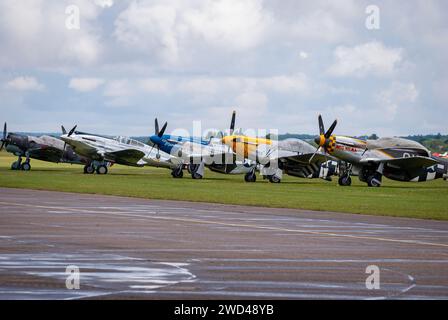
{"x": 98, "y": 167}
{"x": 345, "y": 171}
{"x": 18, "y": 165}
{"x": 372, "y": 176}
{"x": 196, "y": 170}
{"x": 250, "y": 176}
{"x": 177, "y": 173}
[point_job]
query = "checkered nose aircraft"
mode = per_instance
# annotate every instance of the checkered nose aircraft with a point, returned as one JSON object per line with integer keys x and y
{"x": 395, "y": 158}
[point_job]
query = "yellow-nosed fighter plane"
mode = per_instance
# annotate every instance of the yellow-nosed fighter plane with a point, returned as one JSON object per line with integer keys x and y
{"x": 294, "y": 157}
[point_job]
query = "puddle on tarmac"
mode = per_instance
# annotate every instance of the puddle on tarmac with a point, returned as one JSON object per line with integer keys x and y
{"x": 100, "y": 274}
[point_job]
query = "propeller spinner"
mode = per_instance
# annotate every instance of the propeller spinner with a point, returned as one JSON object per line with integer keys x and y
{"x": 325, "y": 140}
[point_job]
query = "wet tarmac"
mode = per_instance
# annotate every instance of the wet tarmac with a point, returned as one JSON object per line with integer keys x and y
{"x": 151, "y": 249}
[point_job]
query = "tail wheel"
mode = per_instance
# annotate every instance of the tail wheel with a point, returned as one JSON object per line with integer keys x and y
{"x": 26, "y": 166}
{"x": 101, "y": 170}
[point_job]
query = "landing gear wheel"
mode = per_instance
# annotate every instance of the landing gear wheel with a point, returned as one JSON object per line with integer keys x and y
{"x": 373, "y": 182}
{"x": 196, "y": 176}
{"x": 274, "y": 179}
{"x": 345, "y": 181}
{"x": 177, "y": 173}
{"x": 26, "y": 166}
{"x": 89, "y": 169}
{"x": 101, "y": 170}
{"x": 250, "y": 177}
{"x": 15, "y": 166}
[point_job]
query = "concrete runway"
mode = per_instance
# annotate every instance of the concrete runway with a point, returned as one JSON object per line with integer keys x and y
{"x": 149, "y": 249}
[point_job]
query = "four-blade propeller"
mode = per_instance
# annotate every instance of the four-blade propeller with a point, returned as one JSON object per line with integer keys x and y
{"x": 68, "y": 135}
{"x": 324, "y": 140}
{"x": 158, "y": 133}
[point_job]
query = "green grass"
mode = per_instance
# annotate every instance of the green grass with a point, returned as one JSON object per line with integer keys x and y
{"x": 428, "y": 200}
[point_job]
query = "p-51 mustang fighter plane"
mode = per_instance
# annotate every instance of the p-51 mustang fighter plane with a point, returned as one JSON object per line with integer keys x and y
{"x": 295, "y": 157}
{"x": 105, "y": 151}
{"x": 45, "y": 148}
{"x": 198, "y": 154}
{"x": 395, "y": 158}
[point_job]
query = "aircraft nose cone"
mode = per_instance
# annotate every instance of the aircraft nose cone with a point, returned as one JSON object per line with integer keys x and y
{"x": 317, "y": 140}
{"x": 155, "y": 139}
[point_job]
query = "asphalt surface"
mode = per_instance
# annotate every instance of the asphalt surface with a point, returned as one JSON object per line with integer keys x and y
{"x": 150, "y": 249}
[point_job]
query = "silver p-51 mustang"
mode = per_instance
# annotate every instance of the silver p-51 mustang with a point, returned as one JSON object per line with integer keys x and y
{"x": 105, "y": 151}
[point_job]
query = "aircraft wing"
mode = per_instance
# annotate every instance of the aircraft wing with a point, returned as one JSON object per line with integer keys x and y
{"x": 45, "y": 152}
{"x": 405, "y": 163}
{"x": 195, "y": 152}
{"x": 127, "y": 156}
{"x": 306, "y": 157}
{"x": 303, "y": 159}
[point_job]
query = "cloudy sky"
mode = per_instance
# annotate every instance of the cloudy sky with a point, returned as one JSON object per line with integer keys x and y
{"x": 278, "y": 63}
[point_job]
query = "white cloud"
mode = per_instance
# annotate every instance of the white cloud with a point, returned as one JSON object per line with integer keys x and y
{"x": 25, "y": 83}
{"x": 85, "y": 84}
{"x": 229, "y": 24}
{"x": 303, "y": 55}
{"x": 33, "y": 34}
{"x": 391, "y": 99}
{"x": 118, "y": 88}
{"x": 104, "y": 3}
{"x": 371, "y": 58}
{"x": 154, "y": 85}
{"x": 171, "y": 30}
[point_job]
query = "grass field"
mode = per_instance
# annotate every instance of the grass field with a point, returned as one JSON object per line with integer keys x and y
{"x": 428, "y": 200}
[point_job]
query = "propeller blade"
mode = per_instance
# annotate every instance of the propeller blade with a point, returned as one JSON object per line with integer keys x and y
{"x": 163, "y": 130}
{"x": 5, "y": 133}
{"x": 321, "y": 126}
{"x": 63, "y": 150}
{"x": 63, "y": 130}
{"x": 365, "y": 150}
{"x": 331, "y": 129}
{"x": 72, "y": 131}
{"x": 156, "y": 125}
{"x": 232, "y": 123}
{"x": 315, "y": 152}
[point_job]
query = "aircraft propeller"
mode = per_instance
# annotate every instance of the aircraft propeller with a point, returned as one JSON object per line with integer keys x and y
{"x": 232, "y": 123}
{"x": 72, "y": 131}
{"x": 158, "y": 133}
{"x": 68, "y": 135}
{"x": 324, "y": 139}
{"x": 5, "y": 134}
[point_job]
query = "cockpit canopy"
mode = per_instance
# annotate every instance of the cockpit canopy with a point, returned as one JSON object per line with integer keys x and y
{"x": 129, "y": 141}
{"x": 394, "y": 143}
